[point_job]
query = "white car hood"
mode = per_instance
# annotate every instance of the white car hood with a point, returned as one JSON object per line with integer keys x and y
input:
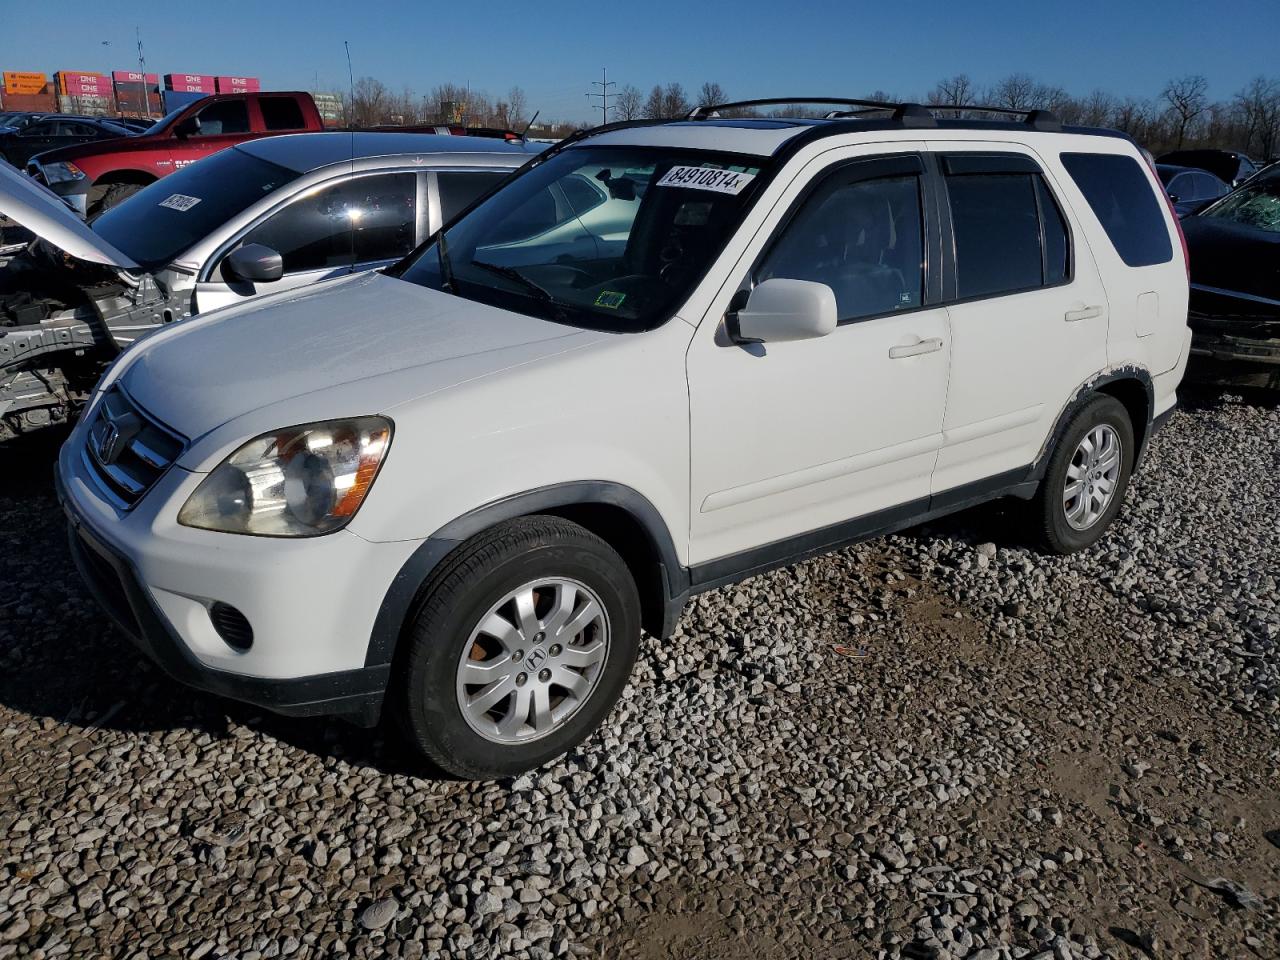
{"x": 43, "y": 212}
{"x": 358, "y": 345}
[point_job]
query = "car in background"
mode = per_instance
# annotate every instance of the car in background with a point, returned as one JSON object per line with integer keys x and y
{"x": 95, "y": 176}
{"x": 1190, "y": 189}
{"x": 266, "y": 216}
{"x": 135, "y": 123}
{"x": 1230, "y": 166}
{"x": 1234, "y": 251}
{"x": 18, "y": 145}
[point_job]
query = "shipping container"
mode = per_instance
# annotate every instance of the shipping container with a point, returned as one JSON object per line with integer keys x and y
{"x": 133, "y": 76}
{"x": 189, "y": 82}
{"x": 30, "y": 102}
{"x": 75, "y": 83}
{"x": 87, "y": 106}
{"x": 21, "y": 83}
{"x": 238, "y": 84}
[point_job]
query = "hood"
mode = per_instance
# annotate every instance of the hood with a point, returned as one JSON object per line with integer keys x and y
{"x": 1232, "y": 256}
{"x": 370, "y": 342}
{"x": 44, "y": 213}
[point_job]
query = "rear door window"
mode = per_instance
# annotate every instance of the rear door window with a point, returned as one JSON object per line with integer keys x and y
{"x": 458, "y": 190}
{"x": 281, "y": 113}
{"x": 1122, "y": 199}
{"x": 1009, "y": 232}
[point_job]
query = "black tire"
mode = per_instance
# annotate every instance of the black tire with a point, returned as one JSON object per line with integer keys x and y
{"x": 468, "y": 583}
{"x": 102, "y": 199}
{"x": 1048, "y": 511}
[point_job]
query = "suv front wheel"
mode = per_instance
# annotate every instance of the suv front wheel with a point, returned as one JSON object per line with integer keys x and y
{"x": 521, "y": 646}
{"x": 1087, "y": 476}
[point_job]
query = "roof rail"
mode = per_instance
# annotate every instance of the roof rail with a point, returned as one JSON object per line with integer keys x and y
{"x": 909, "y": 114}
{"x": 1036, "y": 119}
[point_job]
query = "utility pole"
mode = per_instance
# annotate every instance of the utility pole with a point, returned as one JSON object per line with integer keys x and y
{"x": 604, "y": 84}
{"x": 142, "y": 69}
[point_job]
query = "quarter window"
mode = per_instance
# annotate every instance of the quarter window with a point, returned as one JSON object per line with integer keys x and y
{"x": 1123, "y": 200}
{"x": 364, "y": 220}
{"x": 863, "y": 239}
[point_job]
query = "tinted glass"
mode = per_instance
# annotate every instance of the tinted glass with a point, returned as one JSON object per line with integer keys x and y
{"x": 281, "y": 113}
{"x": 862, "y": 239}
{"x": 1057, "y": 246}
{"x": 1209, "y": 187}
{"x": 40, "y": 128}
{"x": 357, "y": 221}
{"x": 582, "y": 194}
{"x": 225, "y": 183}
{"x": 1182, "y": 187}
{"x": 996, "y": 224}
{"x": 228, "y": 116}
{"x": 1122, "y": 199}
{"x": 625, "y": 265}
{"x": 458, "y": 190}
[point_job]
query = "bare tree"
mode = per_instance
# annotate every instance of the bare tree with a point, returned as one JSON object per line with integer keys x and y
{"x": 1097, "y": 109}
{"x": 1186, "y": 99}
{"x": 710, "y": 94}
{"x": 1259, "y": 107}
{"x": 629, "y": 103}
{"x": 510, "y": 113}
{"x": 652, "y": 109}
{"x": 1016, "y": 91}
{"x": 674, "y": 102}
{"x": 954, "y": 92}
{"x": 370, "y": 102}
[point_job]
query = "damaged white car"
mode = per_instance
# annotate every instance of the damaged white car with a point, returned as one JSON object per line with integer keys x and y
{"x": 262, "y": 217}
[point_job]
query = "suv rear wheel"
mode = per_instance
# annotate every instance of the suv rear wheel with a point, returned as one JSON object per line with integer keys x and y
{"x": 519, "y": 649}
{"x": 1087, "y": 477}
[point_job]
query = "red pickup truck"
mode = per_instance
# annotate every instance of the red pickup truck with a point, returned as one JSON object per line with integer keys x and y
{"x": 94, "y": 176}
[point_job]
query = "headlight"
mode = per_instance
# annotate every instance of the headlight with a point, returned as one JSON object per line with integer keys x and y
{"x": 61, "y": 172}
{"x": 297, "y": 482}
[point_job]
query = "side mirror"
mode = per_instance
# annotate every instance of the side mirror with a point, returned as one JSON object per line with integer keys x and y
{"x": 190, "y": 127}
{"x": 779, "y": 310}
{"x": 1174, "y": 198}
{"x": 253, "y": 262}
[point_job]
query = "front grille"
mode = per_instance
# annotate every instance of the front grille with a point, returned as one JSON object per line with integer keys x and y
{"x": 127, "y": 451}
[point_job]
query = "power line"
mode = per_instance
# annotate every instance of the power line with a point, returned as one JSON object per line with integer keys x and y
{"x": 604, "y": 84}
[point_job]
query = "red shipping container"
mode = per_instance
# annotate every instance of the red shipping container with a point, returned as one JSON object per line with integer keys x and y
{"x": 73, "y": 83}
{"x": 238, "y": 84}
{"x": 30, "y": 102}
{"x": 189, "y": 82}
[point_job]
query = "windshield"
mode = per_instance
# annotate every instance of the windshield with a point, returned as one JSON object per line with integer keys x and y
{"x": 610, "y": 238}
{"x": 158, "y": 223}
{"x": 1256, "y": 204}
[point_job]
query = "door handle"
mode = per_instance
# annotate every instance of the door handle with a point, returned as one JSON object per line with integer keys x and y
{"x": 1082, "y": 313}
{"x": 931, "y": 345}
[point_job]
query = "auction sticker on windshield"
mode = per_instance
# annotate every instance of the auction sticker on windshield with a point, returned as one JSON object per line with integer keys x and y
{"x": 178, "y": 201}
{"x": 707, "y": 178}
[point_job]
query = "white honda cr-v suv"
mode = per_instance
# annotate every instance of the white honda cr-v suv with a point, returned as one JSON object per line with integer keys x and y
{"x": 663, "y": 357}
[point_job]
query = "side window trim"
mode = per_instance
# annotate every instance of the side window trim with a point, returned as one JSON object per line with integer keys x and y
{"x": 994, "y": 162}
{"x": 877, "y": 167}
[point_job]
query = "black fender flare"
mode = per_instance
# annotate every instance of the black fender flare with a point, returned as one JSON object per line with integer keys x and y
{"x": 397, "y": 604}
{"x": 1083, "y": 394}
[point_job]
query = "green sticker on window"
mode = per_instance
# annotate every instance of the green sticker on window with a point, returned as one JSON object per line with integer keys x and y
{"x": 610, "y": 299}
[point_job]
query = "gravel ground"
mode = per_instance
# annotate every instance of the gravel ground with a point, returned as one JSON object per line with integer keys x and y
{"x": 937, "y": 745}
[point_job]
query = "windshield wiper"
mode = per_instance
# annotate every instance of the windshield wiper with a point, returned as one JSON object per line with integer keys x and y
{"x": 511, "y": 273}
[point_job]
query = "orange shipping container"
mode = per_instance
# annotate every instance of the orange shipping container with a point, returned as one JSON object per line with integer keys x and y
{"x": 24, "y": 83}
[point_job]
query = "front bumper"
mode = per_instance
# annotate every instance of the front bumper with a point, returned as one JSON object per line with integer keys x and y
{"x": 311, "y": 603}
{"x": 1235, "y": 340}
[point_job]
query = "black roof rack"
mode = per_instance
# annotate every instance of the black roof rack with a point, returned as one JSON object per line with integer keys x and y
{"x": 908, "y": 114}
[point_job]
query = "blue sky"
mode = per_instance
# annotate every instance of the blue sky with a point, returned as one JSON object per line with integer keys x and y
{"x": 752, "y": 48}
